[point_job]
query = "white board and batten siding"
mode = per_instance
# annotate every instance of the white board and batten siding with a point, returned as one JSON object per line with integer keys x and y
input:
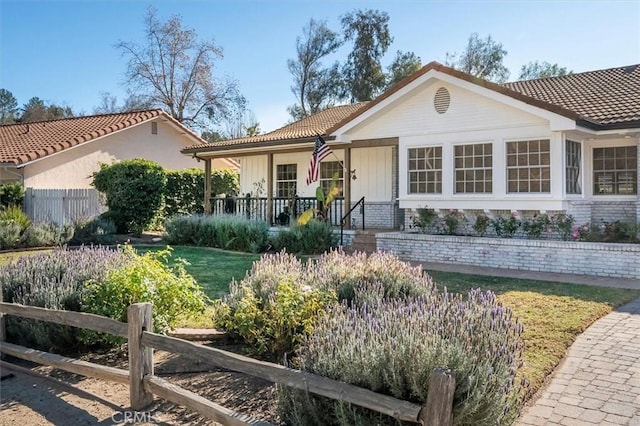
{"x": 62, "y": 206}
{"x": 372, "y": 165}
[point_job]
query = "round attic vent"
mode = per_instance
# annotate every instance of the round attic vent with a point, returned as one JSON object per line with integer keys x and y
{"x": 441, "y": 100}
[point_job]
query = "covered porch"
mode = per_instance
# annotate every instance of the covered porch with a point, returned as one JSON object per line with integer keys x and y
{"x": 274, "y": 169}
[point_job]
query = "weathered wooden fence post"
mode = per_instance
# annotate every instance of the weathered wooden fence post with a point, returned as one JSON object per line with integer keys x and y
{"x": 139, "y": 319}
{"x": 3, "y": 331}
{"x": 438, "y": 409}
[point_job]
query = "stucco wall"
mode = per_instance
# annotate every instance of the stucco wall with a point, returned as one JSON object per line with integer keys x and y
{"x": 599, "y": 259}
{"x": 73, "y": 167}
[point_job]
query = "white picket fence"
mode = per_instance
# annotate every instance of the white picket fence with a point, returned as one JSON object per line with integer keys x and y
{"x": 62, "y": 206}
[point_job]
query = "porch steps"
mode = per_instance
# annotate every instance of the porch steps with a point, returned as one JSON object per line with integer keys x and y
{"x": 364, "y": 241}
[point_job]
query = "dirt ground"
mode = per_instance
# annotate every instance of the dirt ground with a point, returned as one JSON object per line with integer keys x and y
{"x": 26, "y": 400}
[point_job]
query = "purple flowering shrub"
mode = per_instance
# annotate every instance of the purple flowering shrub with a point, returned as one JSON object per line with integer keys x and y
{"x": 54, "y": 280}
{"x": 391, "y": 346}
{"x": 280, "y": 299}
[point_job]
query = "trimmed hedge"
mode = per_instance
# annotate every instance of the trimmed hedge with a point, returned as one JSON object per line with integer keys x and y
{"x": 184, "y": 192}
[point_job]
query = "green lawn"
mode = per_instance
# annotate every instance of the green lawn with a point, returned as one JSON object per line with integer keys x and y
{"x": 213, "y": 269}
{"x": 9, "y": 256}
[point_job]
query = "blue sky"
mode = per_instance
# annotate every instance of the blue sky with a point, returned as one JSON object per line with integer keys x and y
{"x": 62, "y": 51}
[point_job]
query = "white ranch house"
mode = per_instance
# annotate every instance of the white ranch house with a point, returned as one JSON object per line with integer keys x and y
{"x": 446, "y": 140}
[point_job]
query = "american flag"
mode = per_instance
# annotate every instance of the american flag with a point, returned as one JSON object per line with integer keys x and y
{"x": 320, "y": 151}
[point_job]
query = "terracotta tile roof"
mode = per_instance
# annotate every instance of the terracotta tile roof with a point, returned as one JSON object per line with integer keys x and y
{"x": 605, "y": 97}
{"x": 21, "y": 143}
{"x": 299, "y": 131}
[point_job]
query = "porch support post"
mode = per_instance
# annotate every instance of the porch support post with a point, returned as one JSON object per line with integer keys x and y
{"x": 270, "y": 189}
{"x": 347, "y": 185}
{"x": 207, "y": 186}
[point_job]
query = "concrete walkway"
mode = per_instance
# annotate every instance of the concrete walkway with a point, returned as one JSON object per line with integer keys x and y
{"x": 598, "y": 382}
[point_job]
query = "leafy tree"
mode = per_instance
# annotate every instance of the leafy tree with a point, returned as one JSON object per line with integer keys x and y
{"x": 241, "y": 125}
{"x": 536, "y": 69}
{"x": 482, "y": 59}
{"x": 174, "y": 70}
{"x": 109, "y": 104}
{"x": 211, "y": 136}
{"x": 369, "y": 31}
{"x": 8, "y": 107}
{"x": 134, "y": 191}
{"x": 37, "y": 110}
{"x": 403, "y": 65}
{"x": 314, "y": 86}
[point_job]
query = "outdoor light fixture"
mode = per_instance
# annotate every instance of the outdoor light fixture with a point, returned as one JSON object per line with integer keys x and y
{"x": 353, "y": 174}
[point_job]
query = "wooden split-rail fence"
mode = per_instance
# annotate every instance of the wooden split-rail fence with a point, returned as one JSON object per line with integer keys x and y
{"x": 143, "y": 384}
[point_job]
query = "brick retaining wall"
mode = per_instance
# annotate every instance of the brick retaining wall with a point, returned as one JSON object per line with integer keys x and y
{"x": 598, "y": 259}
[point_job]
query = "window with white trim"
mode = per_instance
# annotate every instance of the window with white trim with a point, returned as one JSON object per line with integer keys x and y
{"x": 328, "y": 169}
{"x": 473, "y": 168}
{"x": 425, "y": 170}
{"x": 529, "y": 166}
{"x": 286, "y": 180}
{"x": 573, "y": 152}
{"x": 615, "y": 170}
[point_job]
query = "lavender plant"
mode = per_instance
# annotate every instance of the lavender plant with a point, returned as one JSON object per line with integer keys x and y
{"x": 256, "y": 303}
{"x": 53, "y": 280}
{"x": 392, "y": 346}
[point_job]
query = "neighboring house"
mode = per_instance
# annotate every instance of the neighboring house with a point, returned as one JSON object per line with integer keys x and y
{"x": 64, "y": 154}
{"x": 444, "y": 139}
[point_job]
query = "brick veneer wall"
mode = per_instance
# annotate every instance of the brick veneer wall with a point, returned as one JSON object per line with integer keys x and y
{"x": 383, "y": 214}
{"x": 599, "y": 259}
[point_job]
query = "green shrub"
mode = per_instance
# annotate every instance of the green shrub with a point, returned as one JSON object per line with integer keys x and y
{"x": 10, "y": 234}
{"x": 147, "y": 278}
{"x": 506, "y": 227}
{"x": 134, "y": 191}
{"x": 392, "y": 346}
{"x": 96, "y": 230}
{"x": 226, "y": 232}
{"x": 53, "y": 280}
{"x": 451, "y": 221}
{"x": 15, "y": 214}
{"x": 334, "y": 273}
{"x": 185, "y": 189}
{"x": 563, "y": 225}
{"x": 424, "y": 219}
{"x": 314, "y": 237}
{"x": 535, "y": 226}
{"x": 481, "y": 224}
{"x": 47, "y": 234}
{"x": 11, "y": 194}
{"x": 274, "y": 324}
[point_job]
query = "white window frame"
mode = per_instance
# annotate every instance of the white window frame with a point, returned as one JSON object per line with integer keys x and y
{"x": 427, "y": 171}
{"x": 325, "y": 180}
{"x": 528, "y": 167}
{"x": 473, "y": 168}
{"x": 289, "y": 181}
{"x": 579, "y": 166}
{"x": 612, "y": 196}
